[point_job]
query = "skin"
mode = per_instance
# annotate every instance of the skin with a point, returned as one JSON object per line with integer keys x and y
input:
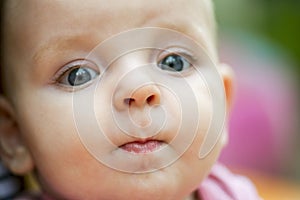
{"x": 38, "y": 129}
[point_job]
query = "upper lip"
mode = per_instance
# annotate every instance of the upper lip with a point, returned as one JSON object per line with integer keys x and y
{"x": 141, "y": 140}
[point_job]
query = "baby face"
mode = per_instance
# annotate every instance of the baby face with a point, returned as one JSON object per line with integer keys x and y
{"x": 105, "y": 106}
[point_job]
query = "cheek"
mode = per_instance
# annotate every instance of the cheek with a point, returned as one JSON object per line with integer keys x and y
{"x": 207, "y": 138}
{"x": 50, "y": 133}
{"x": 60, "y": 157}
{"x": 49, "y": 129}
{"x": 204, "y": 105}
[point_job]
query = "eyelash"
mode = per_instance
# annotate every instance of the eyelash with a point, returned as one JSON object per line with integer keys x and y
{"x": 86, "y": 65}
{"x": 186, "y": 55}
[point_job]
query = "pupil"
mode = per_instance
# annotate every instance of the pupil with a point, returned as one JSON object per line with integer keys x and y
{"x": 78, "y": 76}
{"x": 173, "y": 62}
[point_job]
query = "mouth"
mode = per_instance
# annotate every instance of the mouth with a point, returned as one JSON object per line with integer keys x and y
{"x": 142, "y": 147}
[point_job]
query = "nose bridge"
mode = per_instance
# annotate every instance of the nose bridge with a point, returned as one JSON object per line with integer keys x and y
{"x": 135, "y": 86}
{"x": 131, "y": 63}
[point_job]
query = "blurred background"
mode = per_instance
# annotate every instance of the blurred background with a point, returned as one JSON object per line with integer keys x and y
{"x": 260, "y": 39}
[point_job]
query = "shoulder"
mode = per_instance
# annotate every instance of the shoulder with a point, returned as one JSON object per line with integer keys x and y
{"x": 223, "y": 184}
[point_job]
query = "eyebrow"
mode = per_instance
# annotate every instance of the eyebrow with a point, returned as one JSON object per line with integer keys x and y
{"x": 58, "y": 43}
{"x": 61, "y": 43}
{"x": 189, "y": 29}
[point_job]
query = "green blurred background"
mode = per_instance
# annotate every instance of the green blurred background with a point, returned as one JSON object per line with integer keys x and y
{"x": 277, "y": 20}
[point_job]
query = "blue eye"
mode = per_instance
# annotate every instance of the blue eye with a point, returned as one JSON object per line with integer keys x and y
{"x": 174, "y": 62}
{"x": 77, "y": 75}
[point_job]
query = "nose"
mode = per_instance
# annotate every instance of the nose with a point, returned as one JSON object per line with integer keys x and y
{"x": 148, "y": 94}
{"x": 144, "y": 95}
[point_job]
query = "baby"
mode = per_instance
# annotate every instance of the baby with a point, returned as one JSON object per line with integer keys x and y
{"x": 115, "y": 99}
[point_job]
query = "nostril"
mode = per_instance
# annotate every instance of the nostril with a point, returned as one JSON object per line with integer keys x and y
{"x": 150, "y": 99}
{"x": 128, "y": 101}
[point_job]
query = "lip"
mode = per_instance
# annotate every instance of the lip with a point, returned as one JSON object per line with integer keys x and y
{"x": 142, "y": 147}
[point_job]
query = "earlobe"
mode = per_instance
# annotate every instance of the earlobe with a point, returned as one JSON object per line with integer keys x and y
{"x": 13, "y": 152}
{"x": 228, "y": 81}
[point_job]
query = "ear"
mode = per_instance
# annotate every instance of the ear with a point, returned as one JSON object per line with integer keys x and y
{"x": 13, "y": 152}
{"x": 227, "y": 75}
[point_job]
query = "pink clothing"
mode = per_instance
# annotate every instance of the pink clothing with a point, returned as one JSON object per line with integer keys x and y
{"x": 221, "y": 184}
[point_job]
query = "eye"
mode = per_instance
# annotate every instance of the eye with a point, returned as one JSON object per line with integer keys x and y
{"x": 78, "y": 74}
{"x": 174, "y": 62}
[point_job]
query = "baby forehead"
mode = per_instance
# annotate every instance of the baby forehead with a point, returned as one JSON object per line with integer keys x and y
{"x": 105, "y": 18}
{"x": 112, "y": 3}
{"x": 203, "y": 8}
{"x": 113, "y": 16}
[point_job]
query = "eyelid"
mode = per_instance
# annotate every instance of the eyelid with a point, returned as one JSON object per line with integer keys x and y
{"x": 73, "y": 64}
{"x": 188, "y": 55}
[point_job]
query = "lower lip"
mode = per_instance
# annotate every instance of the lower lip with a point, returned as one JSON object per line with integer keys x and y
{"x": 142, "y": 147}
